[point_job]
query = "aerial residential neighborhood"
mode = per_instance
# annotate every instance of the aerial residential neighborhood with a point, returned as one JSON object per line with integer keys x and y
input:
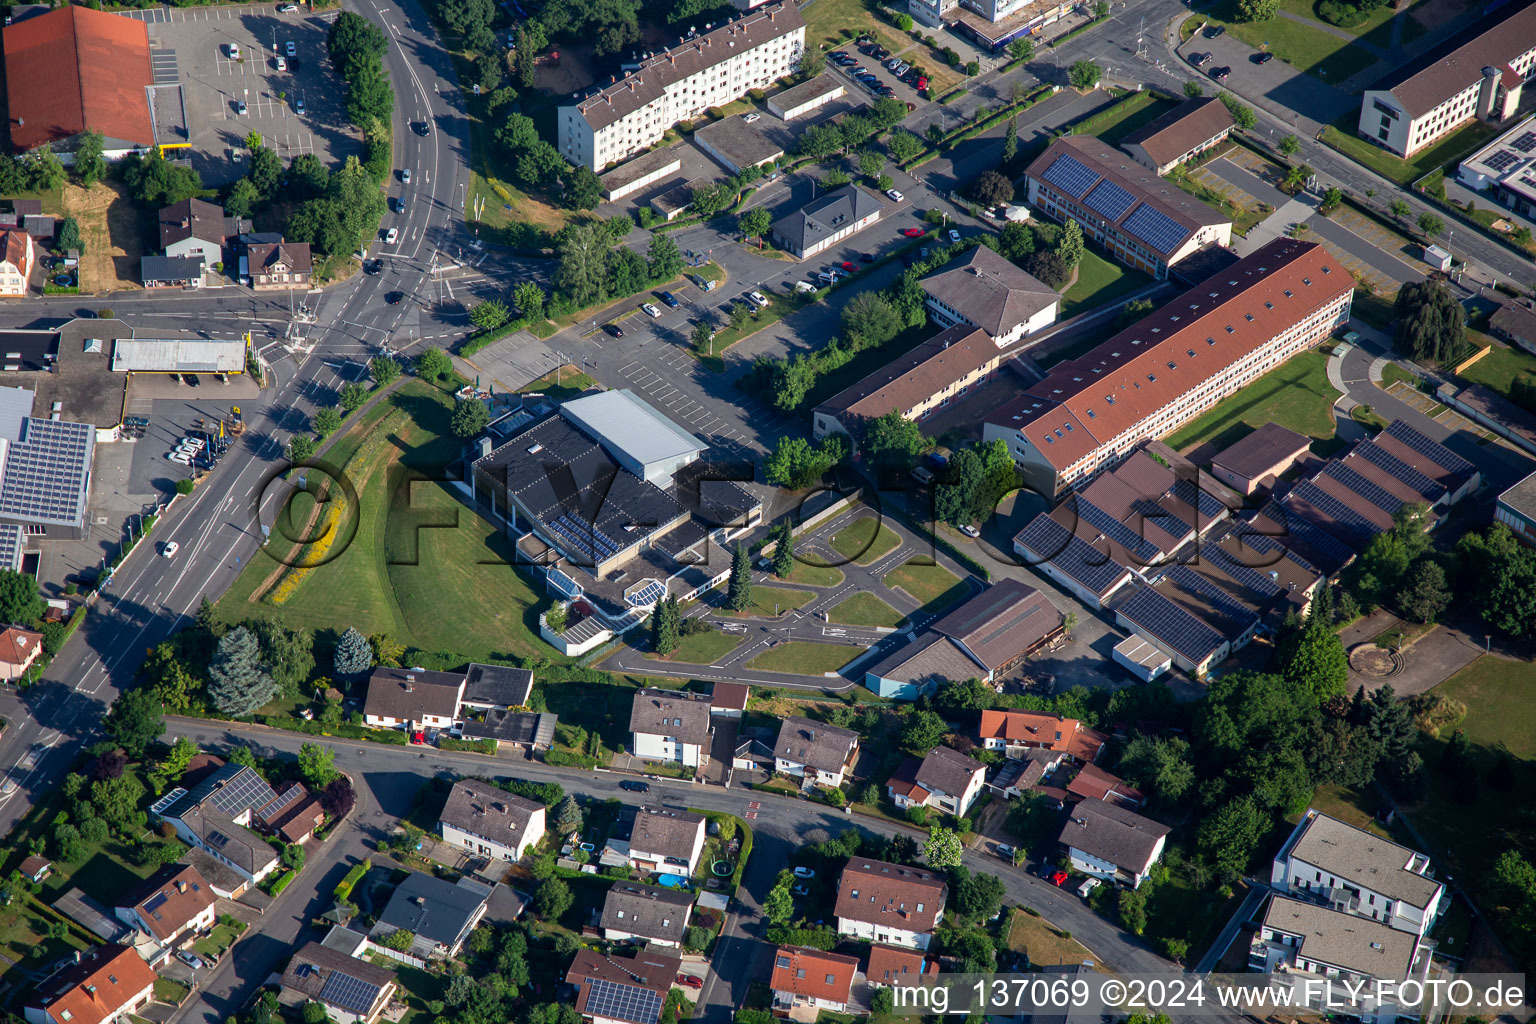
{"x": 639, "y": 512}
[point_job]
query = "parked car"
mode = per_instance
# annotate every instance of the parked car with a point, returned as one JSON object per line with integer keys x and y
{"x": 290, "y": 49}
{"x": 179, "y": 456}
{"x": 1262, "y": 58}
{"x": 1005, "y": 851}
{"x": 191, "y": 380}
{"x": 970, "y": 531}
{"x": 912, "y": 232}
{"x": 614, "y": 329}
{"x": 282, "y": 65}
{"x": 954, "y": 237}
{"x": 298, "y": 105}
{"x": 758, "y": 299}
{"x": 1087, "y": 887}
{"x": 635, "y": 787}
{"x": 169, "y": 549}
{"x": 8, "y": 788}
{"x": 1058, "y": 878}
{"x": 690, "y": 980}
{"x": 804, "y": 872}
{"x": 233, "y": 49}
{"x": 240, "y": 107}
{"x": 650, "y": 310}
{"x": 866, "y": 257}
{"x": 405, "y": 176}
{"x": 838, "y": 54}
{"x": 897, "y": 197}
{"x": 751, "y": 117}
{"x": 921, "y": 83}
{"x": 193, "y": 442}
{"x": 1221, "y": 74}
{"x": 288, "y": 9}
{"x": 1199, "y": 60}
{"x": 192, "y": 960}
{"x": 1214, "y": 31}
{"x": 670, "y": 300}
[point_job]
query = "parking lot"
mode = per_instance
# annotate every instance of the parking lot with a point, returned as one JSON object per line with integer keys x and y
{"x": 1278, "y": 82}
{"x": 228, "y": 94}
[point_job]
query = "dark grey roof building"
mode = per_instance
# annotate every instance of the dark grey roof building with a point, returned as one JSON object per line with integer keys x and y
{"x": 171, "y": 271}
{"x": 681, "y": 715}
{"x": 635, "y": 911}
{"x": 826, "y": 220}
{"x": 497, "y": 686}
{"x": 984, "y": 289}
{"x": 489, "y": 821}
{"x": 804, "y": 745}
{"x": 352, "y": 990}
{"x": 1108, "y": 841}
{"x": 440, "y": 915}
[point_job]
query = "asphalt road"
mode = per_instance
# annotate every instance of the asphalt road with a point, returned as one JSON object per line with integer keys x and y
{"x": 390, "y": 776}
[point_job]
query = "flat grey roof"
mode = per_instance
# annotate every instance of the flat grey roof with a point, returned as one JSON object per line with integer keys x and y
{"x": 1343, "y": 940}
{"x": 742, "y": 144}
{"x": 178, "y": 355}
{"x": 640, "y": 166}
{"x": 1366, "y": 859}
{"x": 822, "y": 85}
{"x": 624, "y": 423}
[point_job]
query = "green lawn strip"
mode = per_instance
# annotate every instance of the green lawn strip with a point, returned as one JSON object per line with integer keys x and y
{"x": 1341, "y": 136}
{"x": 861, "y": 542}
{"x": 932, "y": 585}
{"x": 1296, "y": 395}
{"x": 602, "y": 708}
{"x": 1128, "y": 114}
{"x": 779, "y": 306}
{"x": 217, "y": 941}
{"x": 1348, "y": 805}
{"x": 808, "y": 574}
{"x": 770, "y": 601}
{"x": 1499, "y": 368}
{"x": 169, "y": 991}
{"x": 704, "y": 648}
{"x": 863, "y": 609}
{"x": 828, "y": 22}
{"x": 805, "y": 658}
{"x": 1391, "y": 374}
{"x": 1304, "y": 47}
{"x": 1099, "y": 282}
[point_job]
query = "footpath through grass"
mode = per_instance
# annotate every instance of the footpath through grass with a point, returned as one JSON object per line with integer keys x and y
{"x": 1296, "y": 395}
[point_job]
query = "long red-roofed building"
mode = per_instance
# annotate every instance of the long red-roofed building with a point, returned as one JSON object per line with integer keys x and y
{"x": 1168, "y": 368}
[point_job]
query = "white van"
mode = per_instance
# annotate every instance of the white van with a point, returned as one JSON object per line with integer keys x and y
{"x": 1087, "y": 887}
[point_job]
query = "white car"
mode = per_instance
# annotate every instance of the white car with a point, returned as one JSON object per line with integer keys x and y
{"x": 405, "y": 176}
{"x": 748, "y": 119}
{"x": 8, "y": 788}
{"x": 195, "y": 443}
{"x": 170, "y": 549}
{"x": 954, "y": 236}
{"x": 288, "y": 9}
{"x": 391, "y": 236}
{"x": 758, "y": 299}
{"x": 234, "y": 51}
{"x": 896, "y": 197}
{"x": 970, "y": 531}
{"x": 290, "y": 49}
{"x": 282, "y": 63}
{"x": 805, "y": 872}
{"x": 651, "y": 310}
{"x": 179, "y": 456}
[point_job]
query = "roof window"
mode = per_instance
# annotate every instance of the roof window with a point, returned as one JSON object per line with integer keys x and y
{"x": 1172, "y": 364}
{"x": 1327, "y": 270}
{"x": 1190, "y": 352}
{"x": 1152, "y": 377}
{"x": 1049, "y": 439}
{"x": 1306, "y": 280}
{"x": 1248, "y": 317}
{"x": 1231, "y": 329}
{"x": 1269, "y": 305}
{"x": 1092, "y": 415}
{"x": 1288, "y": 294}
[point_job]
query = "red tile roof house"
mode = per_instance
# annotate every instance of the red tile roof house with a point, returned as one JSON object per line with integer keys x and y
{"x": 892, "y": 965}
{"x": 1095, "y": 783}
{"x": 19, "y": 648}
{"x": 807, "y": 981}
{"x": 1015, "y": 732}
{"x": 107, "y": 983}
{"x": 891, "y": 903}
{"x": 622, "y": 989}
{"x": 167, "y": 911}
{"x": 945, "y": 779}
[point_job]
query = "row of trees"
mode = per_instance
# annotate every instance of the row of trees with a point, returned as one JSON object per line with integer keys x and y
{"x": 431, "y": 363}
{"x": 592, "y": 266}
{"x": 537, "y": 166}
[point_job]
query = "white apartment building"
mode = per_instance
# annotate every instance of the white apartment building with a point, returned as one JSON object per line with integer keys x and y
{"x": 1357, "y": 872}
{"x": 490, "y": 822}
{"x": 1477, "y": 74}
{"x": 1167, "y": 369}
{"x": 672, "y": 726}
{"x": 680, "y": 83}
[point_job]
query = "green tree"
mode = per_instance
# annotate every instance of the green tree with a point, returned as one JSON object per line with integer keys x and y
{"x": 384, "y": 370}
{"x": 739, "y": 590}
{"x": 1500, "y": 578}
{"x": 583, "y": 189}
{"x": 1048, "y": 268}
{"x": 755, "y": 222}
{"x": 1291, "y": 145}
{"x": 470, "y": 417}
{"x": 1193, "y": 89}
{"x": 317, "y": 765}
{"x": 942, "y": 849}
{"x": 922, "y": 731}
{"x": 316, "y": 1013}
{"x": 779, "y": 904}
{"x": 528, "y": 297}
{"x": 819, "y": 141}
{"x": 812, "y": 63}
{"x": 155, "y": 181}
{"x": 797, "y": 463}
{"x": 433, "y": 364}
{"x": 1069, "y": 244}
{"x": 1242, "y": 114}
{"x": 1132, "y": 906}
{"x": 991, "y": 188}
{"x": 1431, "y": 323}
{"x": 68, "y": 846}
{"x": 881, "y": 1002}
{"x": 353, "y": 658}
{"x": 552, "y": 899}
{"x": 176, "y": 761}
{"x": 1021, "y": 49}
{"x": 1257, "y": 10}
{"x": 354, "y": 394}
{"x": 69, "y": 235}
{"x": 1160, "y": 766}
{"x": 399, "y": 940}
{"x": 903, "y": 145}
{"x": 1230, "y": 834}
{"x": 871, "y": 163}
{"x": 1311, "y": 656}
{"x": 784, "y": 552}
{"x": 666, "y": 627}
{"x": 894, "y": 440}
{"x": 489, "y": 315}
{"x": 1430, "y": 224}
{"x": 1426, "y": 593}
{"x": 166, "y": 677}
{"x": 90, "y": 162}
{"x": 1084, "y": 75}
{"x": 135, "y": 721}
{"x": 20, "y": 602}
{"x": 325, "y": 422}
{"x": 663, "y": 258}
{"x": 976, "y": 896}
{"x": 238, "y": 683}
{"x": 869, "y": 320}
{"x": 702, "y": 336}
{"x": 1400, "y": 208}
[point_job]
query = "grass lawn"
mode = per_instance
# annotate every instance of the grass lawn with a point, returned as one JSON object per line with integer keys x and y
{"x": 827, "y": 23}
{"x": 562, "y": 383}
{"x": 1499, "y": 368}
{"x": 933, "y": 585}
{"x": 1043, "y": 944}
{"x": 1391, "y": 374}
{"x": 603, "y": 709}
{"x": 865, "y": 362}
{"x": 411, "y": 542}
{"x": 770, "y": 601}
{"x": 1305, "y": 48}
{"x": 217, "y": 941}
{"x": 1099, "y": 282}
{"x": 808, "y": 574}
{"x": 1348, "y": 805}
{"x": 1125, "y": 116}
{"x": 168, "y": 991}
{"x": 863, "y": 609}
{"x": 24, "y": 936}
{"x": 418, "y": 988}
{"x": 865, "y": 540}
{"x": 805, "y": 658}
{"x": 1341, "y": 136}
{"x": 704, "y": 648}
{"x": 1296, "y": 395}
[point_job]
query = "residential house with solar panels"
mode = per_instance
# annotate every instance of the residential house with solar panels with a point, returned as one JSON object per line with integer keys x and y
{"x": 294, "y": 815}
{"x": 1336, "y": 962}
{"x": 438, "y": 914}
{"x": 945, "y": 779}
{"x": 982, "y": 288}
{"x": 103, "y": 986}
{"x": 45, "y": 471}
{"x": 679, "y": 83}
{"x": 214, "y": 815}
{"x": 1113, "y": 843}
{"x": 807, "y": 981}
{"x": 1138, "y": 218}
{"x": 612, "y": 989}
{"x": 818, "y": 753}
{"x": 672, "y": 726}
{"x": 1477, "y": 74}
{"x": 487, "y": 821}
{"x": 612, "y": 501}
{"x": 167, "y": 912}
{"x": 985, "y": 636}
{"x": 890, "y": 903}
{"x": 633, "y": 912}
{"x": 1181, "y": 134}
{"x": 352, "y": 991}
{"x": 666, "y": 840}
{"x": 1358, "y": 872}
{"x": 1160, "y": 373}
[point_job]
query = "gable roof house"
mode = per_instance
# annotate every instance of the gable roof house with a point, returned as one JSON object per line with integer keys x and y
{"x": 671, "y": 725}
{"x": 19, "y": 648}
{"x": 215, "y": 815}
{"x": 982, "y": 288}
{"x": 1358, "y": 872}
{"x": 77, "y": 69}
{"x": 622, "y": 989}
{"x": 1181, "y": 134}
{"x": 294, "y": 814}
{"x": 18, "y": 257}
{"x": 807, "y": 981}
{"x": 490, "y": 822}
{"x": 646, "y": 913}
{"x": 106, "y": 984}
{"x": 167, "y": 911}
{"x": 1109, "y": 842}
{"x": 196, "y": 228}
{"x": 815, "y": 750}
{"x": 826, "y": 220}
{"x": 1016, "y": 732}
{"x": 413, "y": 700}
{"x": 272, "y": 266}
{"x": 950, "y": 781}
{"x": 666, "y": 839}
{"x": 352, "y": 991}
{"x": 893, "y": 965}
{"x": 438, "y": 914}
{"x": 1093, "y": 782}
{"x": 890, "y": 903}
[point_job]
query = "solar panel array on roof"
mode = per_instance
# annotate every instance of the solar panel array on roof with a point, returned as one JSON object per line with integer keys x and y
{"x": 1154, "y": 513}
{"x": 587, "y": 539}
{"x": 1369, "y": 490}
{"x": 1187, "y": 579}
{"x": 1071, "y": 554}
{"x": 1070, "y": 176}
{"x": 1144, "y": 550}
{"x": 1196, "y": 497}
{"x": 622, "y": 1002}
{"x": 1525, "y": 143}
{"x": 1335, "y": 509}
{"x": 1110, "y": 199}
{"x": 1309, "y": 534}
{"x": 348, "y": 992}
{"x": 154, "y": 903}
{"x": 1501, "y": 161}
{"x": 1171, "y": 624}
{"x": 45, "y": 473}
{"x": 1432, "y": 490}
{"x": 241, "y": 793}
{"x": 1156, "y": 228}
{"x": 1431, "y": 449}
{"x": 1249, "y": 577}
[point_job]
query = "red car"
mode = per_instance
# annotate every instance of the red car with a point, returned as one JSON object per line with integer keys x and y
{"x": 912, "y": 232}
{"x": 848, "y": 266}
{"x": 690, "y": 980}
{"x": 1059, "y": 878}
